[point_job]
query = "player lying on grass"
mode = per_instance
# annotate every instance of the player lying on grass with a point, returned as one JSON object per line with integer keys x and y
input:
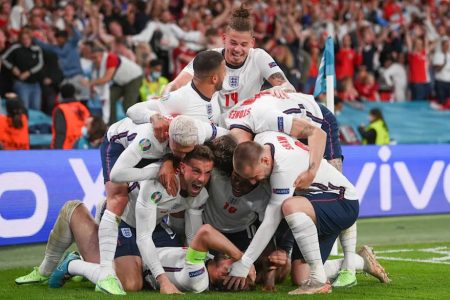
{"x": 331, "y": 203}
{"x": 125, "y": 145}
{"x": 189, "y": 268}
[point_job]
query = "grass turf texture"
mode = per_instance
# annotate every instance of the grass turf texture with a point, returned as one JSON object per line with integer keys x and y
{"x": 410, "y": 279}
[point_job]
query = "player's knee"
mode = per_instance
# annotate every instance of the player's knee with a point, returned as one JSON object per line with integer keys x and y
{"x": 133, "y": 283}
{"x": 68, "y": 209}
{"x": 294, "y": 205}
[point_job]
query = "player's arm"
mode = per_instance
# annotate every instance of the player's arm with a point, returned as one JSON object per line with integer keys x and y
{"x": 209, "y": 238}
{"x": 181, "y": 80}
{"x": 193, "y": 221}
{"x": 124, "y": 169}
{"x": 146, "y": 215}
{"x": 240, "y": 269}
{"x": 316, "y": 142}
{"x": 273, "y": 74}
{"x": 142, "y": 112}
{"x": 279, "y": 80}
{"x": 209, "y": 131}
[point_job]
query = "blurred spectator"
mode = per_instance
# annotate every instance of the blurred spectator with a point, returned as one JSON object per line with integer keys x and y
{"x": 52, "y": 76}
{"x": 5, "y": 74}
{"x": 346, "y": 59}
{"x": 153, "y": 83}
{"x": 419, "y": 77}
{"x": 66, "y": 49}
{"x": 25, "y": 61}
{"x": 68, "y": 119}
{"x": 394, "y": 75}
{"x": 347, "y": 91}
{"x": 5, "y": 11}
{"x": 376, "y": 133}
{"x": 441, "y": 64}
{"x": 14, "y": 133}
{"x": 91, "y": 134}
{"x": 125, "y": 77}
{"x": 366, "y": 86}
{"x": 181, "y": 56}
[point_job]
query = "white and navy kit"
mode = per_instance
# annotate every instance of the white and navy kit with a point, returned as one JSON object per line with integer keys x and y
{"x": 136, "y": 142}
{"x": 236, "y": 217}
{"x": 152, "y": 205}
{"x": 187, "y": 100}
{"x": 265, "y": 112}
{"x": 187, "y": 277}
{"x": 244, "y": 81}
{"x": 291, "y": 158}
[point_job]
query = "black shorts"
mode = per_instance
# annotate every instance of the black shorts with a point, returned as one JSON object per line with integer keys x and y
{"x": 334, "y": 214}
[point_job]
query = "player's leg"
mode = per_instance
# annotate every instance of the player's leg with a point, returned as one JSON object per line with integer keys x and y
{"x": 301, "y": 217}
{"x": 127, "y": 262}
{"x": 116, "y": 200}
{"x": 334, "y": 215}
{"x": 59, "y": 240}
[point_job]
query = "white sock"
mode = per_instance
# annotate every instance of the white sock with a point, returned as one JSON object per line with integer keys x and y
{"x": 305, "y": 234}
{"x": 59, "y": 240}
{"x": 333, "y": 266}
{"x": 348, "y": 242}
{"x": 88, "y": 270}
{"x": 108, "y": 233}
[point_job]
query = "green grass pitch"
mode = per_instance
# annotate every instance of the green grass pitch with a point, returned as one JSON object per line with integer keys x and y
{"x": 414, "y": 250}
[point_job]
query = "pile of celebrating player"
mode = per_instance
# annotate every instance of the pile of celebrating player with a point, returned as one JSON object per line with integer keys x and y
{"x": 213, "y": 187}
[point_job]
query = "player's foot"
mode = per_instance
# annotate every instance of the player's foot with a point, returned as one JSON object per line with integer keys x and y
{"x": 346, "y": 278}
{"x": 372, "y": 266}
{"x": 110, "y": 285}
{"x": 61, "y": 274}
{"x": 310, "y": 287}
{"x": 32, "y": 278}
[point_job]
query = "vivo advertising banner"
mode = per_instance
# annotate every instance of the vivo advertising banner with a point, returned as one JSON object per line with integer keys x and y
{"x": 391, "y": 180}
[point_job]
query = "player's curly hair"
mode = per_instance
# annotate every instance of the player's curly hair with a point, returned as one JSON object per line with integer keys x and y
{"x": 223, "y": 148}
{"x": 240, "y": 20}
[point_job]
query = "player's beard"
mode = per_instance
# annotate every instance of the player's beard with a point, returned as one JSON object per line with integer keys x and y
{"x": 218, "y": 86}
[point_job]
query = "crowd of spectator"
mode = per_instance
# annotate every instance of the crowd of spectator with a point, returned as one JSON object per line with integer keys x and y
{"x": 384, "y": 50}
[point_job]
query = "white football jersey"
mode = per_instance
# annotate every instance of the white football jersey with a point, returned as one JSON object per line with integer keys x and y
{"x": 140, "y": 138}
{"x": 153, "y": 190}
{"x": 265, "y": 112}
{"x": 187, "y": 277}
{"x": 228, "y": 213}
{"x": 186, "y": 100}
{"x": 290, "y": 159}
{"x": 244, "y": 81}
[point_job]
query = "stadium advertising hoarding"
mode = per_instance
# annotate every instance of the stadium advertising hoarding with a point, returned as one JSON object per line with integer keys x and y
{"x": 34, "y": 185}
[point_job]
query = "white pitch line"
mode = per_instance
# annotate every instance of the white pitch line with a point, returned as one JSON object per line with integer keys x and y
{"x": 414, "y": 260}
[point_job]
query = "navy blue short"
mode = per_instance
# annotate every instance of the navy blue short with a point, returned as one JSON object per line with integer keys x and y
{"x": 333, "y": 214}
{"x": 126, "y": 242}
{"x": 109, "y": 152}
{"x": 242, "y": 239}
{"x": 283, "y": 238}
{"x": 329, "y": 125}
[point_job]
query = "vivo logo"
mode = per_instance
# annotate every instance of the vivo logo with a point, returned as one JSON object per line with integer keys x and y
{"x": 418, "y": 196}
{"x": 30, "y": 181}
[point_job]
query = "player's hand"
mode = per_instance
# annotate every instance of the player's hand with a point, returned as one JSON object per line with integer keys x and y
{"x": 167, "y": 287}
{"x": 160, "y": 127}
{"x": 278, "y": 258}
{"x": 168, "y": 178}
{"x": 304, "y": 180}
{"x": 24, "y": 75}
{"x": 278, "y": 92}
{"x": 251, "y": 277}
{"x": 235, "y": 283}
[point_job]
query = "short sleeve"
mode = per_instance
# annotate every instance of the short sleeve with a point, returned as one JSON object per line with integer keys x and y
{"x": 266, "y": 63}
{"x": 112, "y": 61}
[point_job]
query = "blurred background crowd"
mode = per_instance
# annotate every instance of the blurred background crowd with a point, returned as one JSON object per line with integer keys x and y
{"x": 388, "y": 51}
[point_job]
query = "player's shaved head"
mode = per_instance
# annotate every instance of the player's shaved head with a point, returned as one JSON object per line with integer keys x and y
{"x": 207, "y": 63}
{"x": 247, "y": 155}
